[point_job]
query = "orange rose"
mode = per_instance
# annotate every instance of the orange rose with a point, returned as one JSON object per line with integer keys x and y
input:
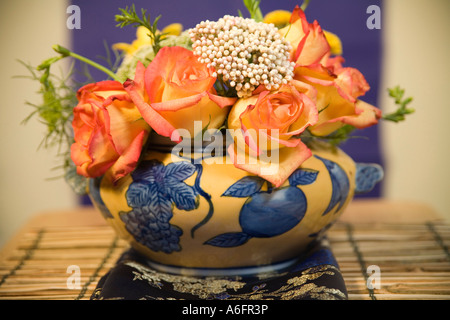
{"x": 271, "y": 123}
{"x": 308, "y": 41}
{"x": 338, "y": 88}
{"x": 175, "y": 90}
{"x": 338, "y": 92}
{"x": 108, "y": 129}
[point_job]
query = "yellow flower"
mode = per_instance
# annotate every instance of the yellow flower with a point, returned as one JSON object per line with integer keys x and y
{"x": 281, "y": 18}
{"x": 173, "y": 29}
{"x": 334, "y": 42}
{"x": 143, "y": 38}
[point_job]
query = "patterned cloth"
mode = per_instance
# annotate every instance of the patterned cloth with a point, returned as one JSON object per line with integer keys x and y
{"x": 316, "y": 277}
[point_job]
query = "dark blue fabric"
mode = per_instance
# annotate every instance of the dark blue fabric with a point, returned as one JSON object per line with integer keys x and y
{"x": 315, "y": 276}
{"x": 346, "y": 18}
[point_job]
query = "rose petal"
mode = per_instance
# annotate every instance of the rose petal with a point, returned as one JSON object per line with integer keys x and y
{"x": 178, "y": 104}
{"x": 352, "y": 82}
{"x": 206, "y": 112}
{"x": 107, "y": 85}
{"x": 165, "y": 70}
{"x": 221, "y": 101}
{"x": 369, "y": 116}
{"x": 151, "y": 116}
{"x": 308, "y": 39}
{"x": 314, "y": 48}
{"x": 285, "y": 142}
{"x": 125, "y": 123}
{"x": 276, "y": 173}
{"x": 127, "y": 162}
{"x": 332, "y": 108}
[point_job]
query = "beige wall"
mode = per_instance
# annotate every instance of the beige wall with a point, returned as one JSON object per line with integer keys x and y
{"x": 24, "y": 189}
{"x": 417, "y": 150}
{"x": 416, "y": 57}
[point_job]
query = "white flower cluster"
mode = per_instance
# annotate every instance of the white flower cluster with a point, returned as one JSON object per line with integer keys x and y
{"x": 244, "y": 52}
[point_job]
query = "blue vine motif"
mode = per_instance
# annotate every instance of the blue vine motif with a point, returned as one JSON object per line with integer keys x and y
{"x": 204, "y": 195}
{"x": 268, "y": 213}
{"x": 152, "y": 194}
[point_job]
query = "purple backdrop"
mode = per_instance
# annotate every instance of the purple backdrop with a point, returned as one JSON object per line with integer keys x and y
{"x": 346, "y": 18}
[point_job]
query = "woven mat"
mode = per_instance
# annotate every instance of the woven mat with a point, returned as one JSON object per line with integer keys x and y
{"x": 398, "y": 261}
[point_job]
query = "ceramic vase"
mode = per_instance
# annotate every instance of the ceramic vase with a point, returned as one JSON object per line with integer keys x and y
{"x": 194, "y": 215}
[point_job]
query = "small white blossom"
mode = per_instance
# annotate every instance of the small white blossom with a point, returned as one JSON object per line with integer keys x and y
{"x": 245, "y": 52}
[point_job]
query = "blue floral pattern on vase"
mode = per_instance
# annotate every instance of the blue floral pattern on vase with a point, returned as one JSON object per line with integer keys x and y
{"x": 340, "y": 185}
{"x": 152, "y": 194}
{"x": 268, "y": 213}
{"x": 156, "y": 189}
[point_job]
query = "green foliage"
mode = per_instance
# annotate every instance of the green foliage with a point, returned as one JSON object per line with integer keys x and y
{"x": 335, "y": 138}
{"x": 129, "y": 16}
{"x": 397, "y": 93}
{"x": 254, "y": 10}
{"x": 113, "y": 63}
{"x": 59, "y": 96}
{"x": 55, "y": 109}
{"x": 341, "y": 135}
{"x": 64, "y": 52}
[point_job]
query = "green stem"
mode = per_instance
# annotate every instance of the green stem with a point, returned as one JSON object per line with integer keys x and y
{"x": 258, "y": 15}
{"x": 305, "y": 4}
{"x": 67, "y": 53}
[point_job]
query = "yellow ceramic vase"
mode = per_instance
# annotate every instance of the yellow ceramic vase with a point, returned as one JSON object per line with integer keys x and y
{"x": 188, "y": 215}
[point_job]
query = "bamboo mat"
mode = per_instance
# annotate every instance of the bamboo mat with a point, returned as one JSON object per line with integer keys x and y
{"x": 413, "y": 260}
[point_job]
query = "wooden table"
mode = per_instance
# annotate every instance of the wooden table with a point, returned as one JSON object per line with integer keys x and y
{"x": 407, "y": 243}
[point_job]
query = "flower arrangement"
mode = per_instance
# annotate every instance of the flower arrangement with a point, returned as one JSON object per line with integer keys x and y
{"x": 278, "y": 82}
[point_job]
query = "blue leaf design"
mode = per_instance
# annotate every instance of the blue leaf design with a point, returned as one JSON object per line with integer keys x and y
{"x": 138, "y": 195}
{"x": 245, "y": 187}
{"x": 179, "y": 171}
{"x": 148, "y": 171}
{"x": 367, "y": 176}
{"x": 339, "y": 183}
{"x": 184, "y": 196}
{"x": 152, "y": 195}
{"x": 303, "y": 177}
{"x": 159, "y": 204}
{"x": 229, "y": 240}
